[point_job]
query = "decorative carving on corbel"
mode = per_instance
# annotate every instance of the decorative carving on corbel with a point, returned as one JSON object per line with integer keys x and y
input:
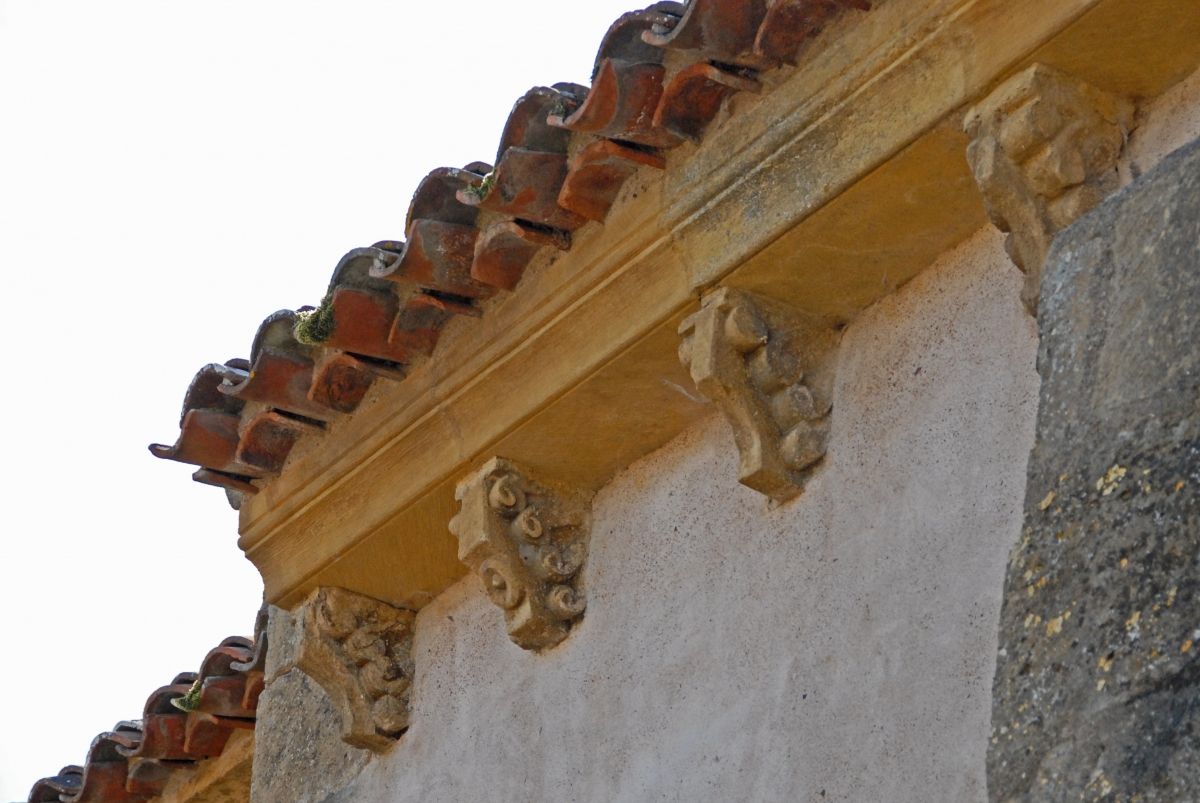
{"x": 359, "y": 650}
{"x": 1044, "y": 150}
{"x": 769, "y": 369}
{"x": 528, "y": 543}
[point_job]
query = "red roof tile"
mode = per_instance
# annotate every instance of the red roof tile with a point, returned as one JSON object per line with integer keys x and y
{"x": 187, "y": 721}
{"x": 661, "y": 77}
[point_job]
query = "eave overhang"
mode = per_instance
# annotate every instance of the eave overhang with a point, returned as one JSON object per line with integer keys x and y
{"x": 836, "y": 183}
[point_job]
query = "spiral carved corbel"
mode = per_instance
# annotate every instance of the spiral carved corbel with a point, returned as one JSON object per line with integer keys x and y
{"x": 528, "y": 543}
{"x": 769, "y": 369}
{"x": 359, "y": 650}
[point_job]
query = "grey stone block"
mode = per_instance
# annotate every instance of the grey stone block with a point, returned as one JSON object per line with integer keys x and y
{"x": 299, "y": 755}
{"x": 1097, "y": 688}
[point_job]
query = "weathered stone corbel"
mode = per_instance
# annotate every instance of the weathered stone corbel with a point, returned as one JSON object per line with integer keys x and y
{"x": 1044, "y": 150}
{"x": 527, "y": 541}
{"x": 768, "y": 368}
{"x": 359, "y": 651}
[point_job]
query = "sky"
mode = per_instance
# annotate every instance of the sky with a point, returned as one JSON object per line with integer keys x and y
{"x": 171, "y": 172}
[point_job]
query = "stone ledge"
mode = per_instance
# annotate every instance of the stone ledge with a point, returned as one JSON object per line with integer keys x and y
{"x": 880, "y": 188}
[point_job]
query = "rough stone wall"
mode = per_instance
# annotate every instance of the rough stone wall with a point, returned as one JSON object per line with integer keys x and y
{"x": 838, "y": 647}
{"x": 299, "y": 754}
{"x": 1098, "y": 680}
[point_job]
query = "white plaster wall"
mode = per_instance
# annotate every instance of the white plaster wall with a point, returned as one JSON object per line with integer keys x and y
{"x": 1166, "y": 124}
{"x": 837, "y": 648}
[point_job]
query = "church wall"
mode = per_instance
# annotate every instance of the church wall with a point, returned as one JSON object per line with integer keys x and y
{"x": 836, "y": 647}
{"x": 840, "y": 646}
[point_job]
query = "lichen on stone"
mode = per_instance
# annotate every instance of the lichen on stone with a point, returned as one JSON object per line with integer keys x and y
{"x": 314, "y": 327}
{"x": 481, "y": 192}
{"x": 1111, "y": 480}
{"x": 190, "y": 701}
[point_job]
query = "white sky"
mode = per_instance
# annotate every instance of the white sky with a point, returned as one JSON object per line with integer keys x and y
{"x": 171, "y": 172}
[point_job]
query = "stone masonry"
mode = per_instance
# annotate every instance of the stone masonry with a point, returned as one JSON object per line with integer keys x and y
{"x": 1097, "y": 689}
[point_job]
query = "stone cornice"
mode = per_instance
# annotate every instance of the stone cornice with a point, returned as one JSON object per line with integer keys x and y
{"x": 831, "y": 187}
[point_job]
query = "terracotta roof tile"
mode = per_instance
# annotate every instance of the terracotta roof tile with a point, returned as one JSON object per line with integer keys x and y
{"x": 280, "y": 372}
{"x": 789, "y": 24}
{"x": 627, "y": 83}
{"x": 186, "y": 721}
{"x": 661, "y": 76}
{"x": 66, "y": 783}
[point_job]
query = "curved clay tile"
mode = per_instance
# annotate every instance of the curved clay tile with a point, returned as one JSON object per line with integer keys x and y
{"x": 134, "y": 761}
{"x": 206, "y": 438}
{"x": 441, "y": 236}
{"x": 627, "y": 83}
{"x": 523, "y": 189}
{"x": 435, "y": 198}
{"x": 257, "y": 661}
{"x": 341, "y": 381}
{"x": 373, "y": 327}
{"x": 433, "y": 268}
{"x": 354, "y": 269}
{"x": 226, "y": 676}
{"x": 505, "y": 249}
{"x": 694, "y": 97}
{"x": 148, "y": 778}
{"x": 527, "y": 125}
{"x": 67, "y": 783}
{"x": 281, "y": 371}
{"x": 233, "y": 485}
{"x": 625, "y": 41}
{"x": 106, "y": 770}
{"x": 221, "y": 659}
{"x": 254, "y": 667}
{"x": 204, "y": 392}
{"x": 716, "y": 30}
{"x": 791, "y": 23}
{"x": 362, "y": 308}
{"x": 362, "y": 321}
{"x": 267, "y": 439}
{"x": 163, "y": 724}
{"x": 596, "y": 174}
{"x": 473, "y": 230}
{"x": 621, "y": 105}
{"x": 531, "y": 163}
{"x": 525, "y": 186}
{"x": 209, "y": 425}
{"x": 758, "y": 34}
{"x": 438, "y": 257}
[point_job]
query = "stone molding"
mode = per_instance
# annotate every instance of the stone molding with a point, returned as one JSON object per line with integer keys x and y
{"x": 764, "y": 366}
{"x": 1044, "y": 150}
{"x": 528, "y": 543}
{"x": 834, "y": 186}
{"x": 359, "y": 650}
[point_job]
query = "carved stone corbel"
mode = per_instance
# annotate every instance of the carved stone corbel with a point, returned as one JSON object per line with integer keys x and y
{"x": 764, "y": 365}
{"x": 359, "y": 650}
{"x": 1044, "y": 150}
{"x": 528, "y": 543}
